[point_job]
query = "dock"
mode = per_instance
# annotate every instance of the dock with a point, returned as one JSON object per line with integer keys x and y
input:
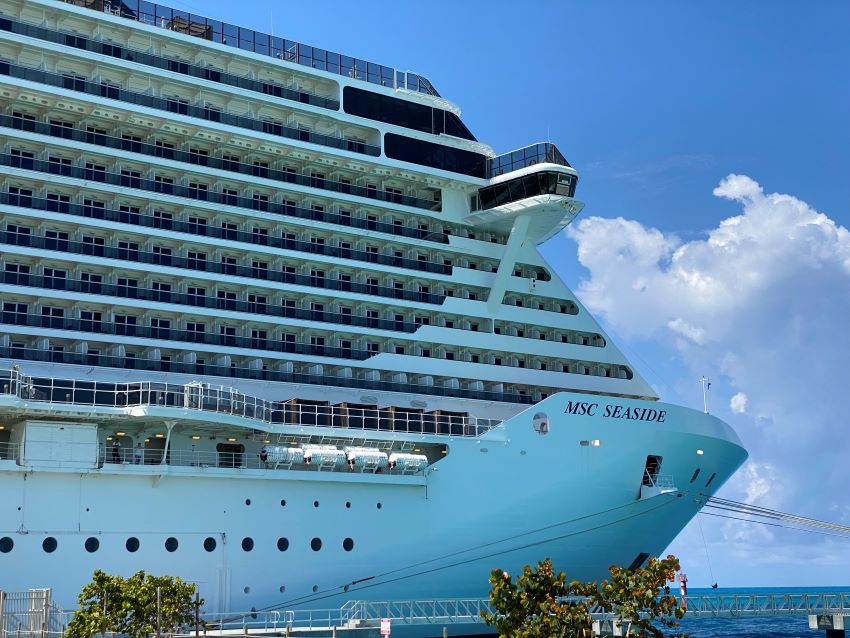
{"x": 33, "y": 615}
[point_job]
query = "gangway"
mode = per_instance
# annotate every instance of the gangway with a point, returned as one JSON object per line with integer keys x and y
{"x": 825, "y": 610}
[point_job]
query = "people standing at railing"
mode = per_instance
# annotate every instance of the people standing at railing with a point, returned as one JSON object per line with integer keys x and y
{"x": 139, "y": 454}
{"x": 264, "y": 456}
{"x": 116, "y": 451}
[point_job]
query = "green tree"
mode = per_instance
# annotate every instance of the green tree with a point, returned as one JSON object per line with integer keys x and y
{"x": 129, "y": 605}
{"x": 642, "y": 596}
{"x": 542, "y": 604}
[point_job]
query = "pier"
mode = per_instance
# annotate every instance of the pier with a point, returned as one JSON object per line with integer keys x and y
{"x": 33, "y": 615}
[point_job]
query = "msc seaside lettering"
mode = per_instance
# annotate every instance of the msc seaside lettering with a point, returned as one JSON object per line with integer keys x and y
{"x": 585, "y": 408}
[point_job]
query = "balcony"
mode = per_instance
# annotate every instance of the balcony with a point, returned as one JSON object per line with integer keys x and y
{"x": 542, "y": 153}
{"x": 258, "y": 42}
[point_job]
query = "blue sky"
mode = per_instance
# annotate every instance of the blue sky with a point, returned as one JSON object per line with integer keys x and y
{"x": 656, "y": 103}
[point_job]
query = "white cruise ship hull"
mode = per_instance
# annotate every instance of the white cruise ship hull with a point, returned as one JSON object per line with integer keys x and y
{"x": 507, "y": 499}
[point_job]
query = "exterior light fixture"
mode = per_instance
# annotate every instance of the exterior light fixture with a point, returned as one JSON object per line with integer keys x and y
{"x": 231, "y": 439}
{"x": 120, "y": 433}
{"x": 596, "y": 442}
{"x": 195, "y": 437}
{"x": 700, "y": 452}
{"x": 159, "y": 436}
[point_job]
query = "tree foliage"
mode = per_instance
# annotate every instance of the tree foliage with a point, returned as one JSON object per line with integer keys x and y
{"x": 642, "y": 596}
{"x": 542, "y": 604}
{"x": 129, "y": 605}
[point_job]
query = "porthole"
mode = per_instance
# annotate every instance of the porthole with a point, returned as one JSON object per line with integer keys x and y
{"x": 247, "y": 544}
{"x": 540, "y": 423}
{"x": 209, "y": 544}
{"x": 6, "y": 545}
{"x": 247, "y": 590}
{"x": 49, "y": 545}
{"x": 315, "y": 503}
{"x": 132, "y": 544}
{"x": 283, "y": 544}
{"x": 348, "y": 544}
{"x": 171, "y": 544}
{"x": 247, "y": 501}
{"x": 348, "y": 505}
{"x": 283, "y": 502}
{"x": 282, "y": 588}
{"x": 92, "y": 544}
{"x": 379, "y": 506}
{"x": 315, "y": 588}
{"x": 316, "y": 544}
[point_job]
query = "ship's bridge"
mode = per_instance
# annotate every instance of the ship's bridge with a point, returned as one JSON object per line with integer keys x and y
{"x": 535, "y": 182}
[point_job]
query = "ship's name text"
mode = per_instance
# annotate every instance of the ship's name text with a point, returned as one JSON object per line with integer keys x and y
{"x": 584, "y": 408}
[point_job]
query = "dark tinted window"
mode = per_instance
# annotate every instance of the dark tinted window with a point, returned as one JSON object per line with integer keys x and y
{"x": 49, "y": 544}
{"x": 209, "y": 544}
{"x": 392, "y": 110}
{"x": 6, "y": 545}
{"x": 171, "y": 544}
{"x": 438, "y": 156}
{"x": 132, "y": 544}
{"x": 92, "y": 544}
{"x": 546, "y": 183}
{"x": 283, "y": 544}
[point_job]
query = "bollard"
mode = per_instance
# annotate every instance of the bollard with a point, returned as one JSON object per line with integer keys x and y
{"x": 333, "y": 631}
{"x": 445, "y": 632}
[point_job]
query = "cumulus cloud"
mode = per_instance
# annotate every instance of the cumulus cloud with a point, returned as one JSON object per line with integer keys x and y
{"x": 759, "y": 303}
{"x": 738, "y": 403}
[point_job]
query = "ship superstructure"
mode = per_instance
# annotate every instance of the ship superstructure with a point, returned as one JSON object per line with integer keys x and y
{"x": 249, "y": 285}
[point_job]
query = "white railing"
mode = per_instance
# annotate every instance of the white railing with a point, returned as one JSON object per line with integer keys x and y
{"x": 229, "y": 402}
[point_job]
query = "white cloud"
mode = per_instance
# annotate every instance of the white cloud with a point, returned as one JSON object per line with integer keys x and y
{"x": 738, "y": 403}
{"x": 760, "y": 303}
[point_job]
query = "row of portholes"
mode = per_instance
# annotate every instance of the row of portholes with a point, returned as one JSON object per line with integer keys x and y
{"x": 378, "y": 505}
{"x": 92, "y": 544}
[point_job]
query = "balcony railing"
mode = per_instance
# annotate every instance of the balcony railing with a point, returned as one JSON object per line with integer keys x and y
{"x": 202, "y": 301}
{"x": 25, "y": 353}
{"x": 258, "y": 42}
{"x": 176, "y": 66}
{"x": 216, "y": 197}
{"x": 180, "y": 107}
{"x": 544, "y": 152}
{"x": 197, "y": 159}
{"x": 228, "y": 401}
{"x": 181, "y": 336}
{"x": 207, "y": 266}
{"x": 217, "y": 232}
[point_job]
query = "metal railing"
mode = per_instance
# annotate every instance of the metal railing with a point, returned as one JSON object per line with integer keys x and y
{"x": 202, "y": 264}
{"x": 544, "y": 152}
{"x": 160, "y": 62}
{"x": 227, "y": 401}
{"x": 203, "y": 301}
{"x": 413, "y": 612}
{"x": 258, "y": 42}
{"x": 197, "y": 159}
{"x": 16, "y": 351}
{"x": 30, "y": 614}
{"x": 182, "y": 107}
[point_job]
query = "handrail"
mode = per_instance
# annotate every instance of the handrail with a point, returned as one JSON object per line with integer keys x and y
{"x": 172, "y": 105}
{"x": 197, "y": 159}
{"x": 262, "y": 43}
{"x": 255, "y": 308}
{"x": 22, "y": 352}
{"x": 208, "y": 266}
{"x": 523, "y": 157}
{"x": 224, "y": 400}
{"x": 217, "y": 232}
{"x": 160, "y": 62}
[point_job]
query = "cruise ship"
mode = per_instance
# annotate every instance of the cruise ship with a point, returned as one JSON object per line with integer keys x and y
{"x": 274, "y": 321}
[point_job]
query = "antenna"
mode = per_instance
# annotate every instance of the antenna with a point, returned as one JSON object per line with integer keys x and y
{"x": 271, "y": 21}
{"x": 706, "y": 384}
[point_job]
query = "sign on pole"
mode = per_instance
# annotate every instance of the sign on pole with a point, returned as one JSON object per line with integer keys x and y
{"x": 385, "y": 626}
